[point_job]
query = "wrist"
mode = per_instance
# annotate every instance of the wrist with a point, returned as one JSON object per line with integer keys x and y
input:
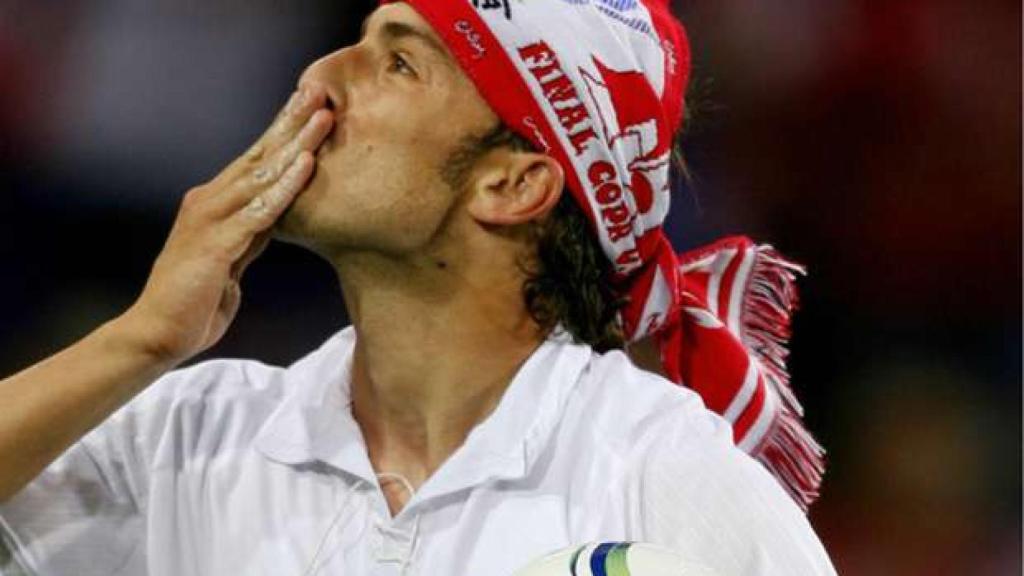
{"x": 135, "y": 334}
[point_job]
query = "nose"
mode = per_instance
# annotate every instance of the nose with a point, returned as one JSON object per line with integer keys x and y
{"x": 333, "y": 73}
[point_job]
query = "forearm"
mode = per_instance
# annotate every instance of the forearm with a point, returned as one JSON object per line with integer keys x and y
{"x": 49, "y": 406}
{"x": 191, "y": 297}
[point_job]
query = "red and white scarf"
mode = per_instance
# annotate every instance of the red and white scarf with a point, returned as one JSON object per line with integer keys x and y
{"x": 599, "y": 85}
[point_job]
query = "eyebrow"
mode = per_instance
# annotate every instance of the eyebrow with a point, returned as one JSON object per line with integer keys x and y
{"x": 392, "y": 30}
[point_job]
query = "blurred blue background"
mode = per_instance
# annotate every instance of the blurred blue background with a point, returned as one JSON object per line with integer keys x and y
{"x": 878, "y": 143}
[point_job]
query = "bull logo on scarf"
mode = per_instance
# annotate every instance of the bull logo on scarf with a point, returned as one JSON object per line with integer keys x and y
{"x": 639, "y": 139}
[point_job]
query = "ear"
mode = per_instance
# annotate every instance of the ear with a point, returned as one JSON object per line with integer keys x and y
{"x": 515, "y": 187}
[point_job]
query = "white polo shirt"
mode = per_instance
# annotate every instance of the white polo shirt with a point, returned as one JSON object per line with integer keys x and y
{"x": 238, "y": 468}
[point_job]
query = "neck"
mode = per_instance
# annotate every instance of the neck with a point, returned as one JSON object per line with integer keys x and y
{"x": 434, "y": 354}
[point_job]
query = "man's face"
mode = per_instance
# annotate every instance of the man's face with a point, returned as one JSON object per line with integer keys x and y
{"x": 402, "y": 106}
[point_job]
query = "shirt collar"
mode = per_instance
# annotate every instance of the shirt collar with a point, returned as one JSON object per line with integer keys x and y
{"x": 314, "y": 422}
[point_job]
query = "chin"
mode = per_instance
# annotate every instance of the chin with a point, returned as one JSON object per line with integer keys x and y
{"x": 286, "y": 230}
{"x": 304, "y": 224}
{"x": 295, "y": 225}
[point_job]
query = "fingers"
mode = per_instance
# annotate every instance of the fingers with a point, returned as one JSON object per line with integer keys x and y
{"x": 256, "y": 247}
{"x": 193, "y": 291}
{"x": 308, "y": 139}
{"x": 238, "y": 208}
{"x": 265, "y": 208}
{"x": 270, "y": 169}
{"x": 302, "y": 104}
{"x": 290, "y": 121}
{"x": 312, "y": 134}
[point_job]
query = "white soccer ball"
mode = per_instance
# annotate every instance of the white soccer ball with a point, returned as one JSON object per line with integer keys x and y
{"x": 614, "y": 559}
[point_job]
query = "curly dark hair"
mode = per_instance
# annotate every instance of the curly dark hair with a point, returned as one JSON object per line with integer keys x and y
{"x": 569, "y": 283}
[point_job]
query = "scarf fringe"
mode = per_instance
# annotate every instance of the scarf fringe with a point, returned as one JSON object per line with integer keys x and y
{"x": 794, "y": 458}
{"x": 788, "y": 450}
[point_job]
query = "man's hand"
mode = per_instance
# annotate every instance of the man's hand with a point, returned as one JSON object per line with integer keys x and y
{"x": 189, "y": 301}
{"x": 193, "y": 292}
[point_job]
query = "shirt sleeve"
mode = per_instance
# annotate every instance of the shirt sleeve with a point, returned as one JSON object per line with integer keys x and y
{"x": 702, "y": 496}
{"x": 82, "y": 516}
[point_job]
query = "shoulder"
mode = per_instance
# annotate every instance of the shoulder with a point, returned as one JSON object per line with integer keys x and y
{"x": 212, "y": 405}
{"x": 206, "y": 392}
{"x": 239, "y": 382}
{"x": 705, "y": 497}
{"x": 626, "y": 408}
{"x": 700, "y": 494}
{"x": 693, "y": 490}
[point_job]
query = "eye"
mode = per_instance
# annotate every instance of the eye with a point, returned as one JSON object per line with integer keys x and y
{"x": 399, "y": 65}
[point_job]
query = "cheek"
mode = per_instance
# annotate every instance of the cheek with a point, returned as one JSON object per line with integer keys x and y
{"x": 384, "y": 164}
{"x": 372, "y": 183}
{"x": 391, "y": 153}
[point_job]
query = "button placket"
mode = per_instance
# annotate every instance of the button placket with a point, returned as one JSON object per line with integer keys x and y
{"x": 395, "y": 543}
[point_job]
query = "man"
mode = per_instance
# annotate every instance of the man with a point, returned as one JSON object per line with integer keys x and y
{"x": 456, "y": 428}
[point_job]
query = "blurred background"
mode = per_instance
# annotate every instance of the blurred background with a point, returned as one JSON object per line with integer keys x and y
{"x": 879, "y": 143}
